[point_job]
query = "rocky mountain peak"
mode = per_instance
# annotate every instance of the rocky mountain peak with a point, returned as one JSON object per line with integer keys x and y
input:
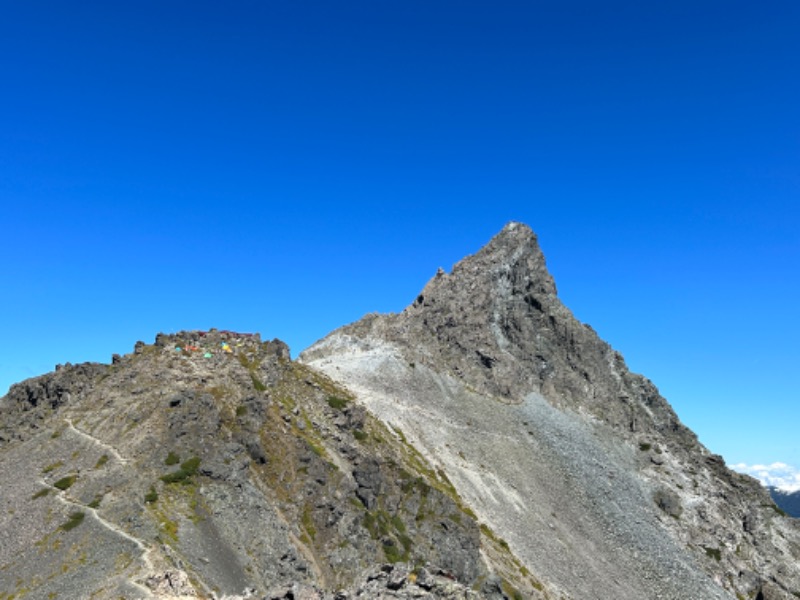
{"x": 540, "y": 425}
{"x": 483, "y": 443}
{"x": 510, "y": 267}
{"x": 497, "y": 320}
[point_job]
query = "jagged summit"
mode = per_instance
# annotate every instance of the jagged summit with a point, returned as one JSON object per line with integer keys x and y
{"x": 551, "y": 439}
{"x": 488, "y": 312}
{"x": 482, "y": 443}
{"x": 510, "y": 264}
{"x": 496, "y": 320}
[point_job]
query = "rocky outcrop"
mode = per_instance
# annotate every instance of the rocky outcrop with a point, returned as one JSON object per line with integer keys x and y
{"x": 29, "y": 403}
{"x": 581, "y": 466}
{"x": 483, "y": 443}
{"x": 207, "y": 465}
{"x": 400, "y": 581}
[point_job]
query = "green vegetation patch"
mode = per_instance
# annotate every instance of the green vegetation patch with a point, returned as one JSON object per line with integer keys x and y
{"x": 392, "y": 553}
{"x": 511, "y": 592}
{"x": 392, "y": 530}
{"x": 52, "y": 467}
{"x": 241, "y": 410}
{"x": 402, "y": 436}
{"x": 75, "y": 519}
{"x": 257, "y": 383}
{"x": 337, "y": 402}
{"x": 360, "y": 435}
{"x": 172, "y": 459}
{"x": 151, "y": 496}
{"x": 486, "y": 530}
{"x": 65, "y": 482}
{"x": 308, "y": 523}
{"x": 185, "y": 473}
{"x": 714, "y": 553}
{"x": 644, "y": 446}
{"x": 398, "y": 524}
{"x": 41, "y": 493}
{"x": 170, "y": 528}
{"x": 96, "y": 502}
{"x": 101, "y": 461}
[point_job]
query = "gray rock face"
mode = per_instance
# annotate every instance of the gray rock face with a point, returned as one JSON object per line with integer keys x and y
{"x": 27, "y": 405}
{"x": 579, "y": 464}
{"x": 481, "y": 444}
{"x": 210, "y": 465}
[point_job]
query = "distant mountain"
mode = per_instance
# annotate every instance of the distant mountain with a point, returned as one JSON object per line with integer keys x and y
{"x": 483, "y": 443}
{"x": 789, "y": 502}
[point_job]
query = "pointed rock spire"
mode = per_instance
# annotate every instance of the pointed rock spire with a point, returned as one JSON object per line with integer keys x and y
{"x": 510, "y": 265}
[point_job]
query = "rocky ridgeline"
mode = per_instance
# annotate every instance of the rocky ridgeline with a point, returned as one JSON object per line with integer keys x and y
{"x": 209, "y": 464}
{"x": 483, "y": 443}
{"x": 578, "y": 463}
{"x": 401, "y": 581}
{"x": 28, "y": 403}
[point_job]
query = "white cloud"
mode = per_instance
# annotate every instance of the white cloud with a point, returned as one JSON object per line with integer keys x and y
{"x": 780, "y": 475}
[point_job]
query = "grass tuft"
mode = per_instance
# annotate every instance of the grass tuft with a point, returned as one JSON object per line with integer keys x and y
{"x": 337, "y": 402}
{"x": 185, "y": 473}
{"x": 75, "y": 519}
{"x": 151, "y": 496}
{"x": 65, "y": 482}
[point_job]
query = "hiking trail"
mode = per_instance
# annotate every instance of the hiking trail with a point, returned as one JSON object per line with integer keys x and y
{"x": 96, "y": 441}
{"x": 144, "y": 548}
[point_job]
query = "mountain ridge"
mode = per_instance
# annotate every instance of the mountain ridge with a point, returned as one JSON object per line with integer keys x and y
{"x": 482, "y": 443}
{"x": 209, "y": 464}
{"x": 787, "y": 500}
{"x": 493, "y": 331}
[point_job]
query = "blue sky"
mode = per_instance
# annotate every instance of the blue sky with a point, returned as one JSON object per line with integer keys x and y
{"x": 286, "y": 167}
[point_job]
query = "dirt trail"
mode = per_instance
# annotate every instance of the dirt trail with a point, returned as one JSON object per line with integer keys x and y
{"x": 62, "y": 496}
{"x": 96, "y": 441}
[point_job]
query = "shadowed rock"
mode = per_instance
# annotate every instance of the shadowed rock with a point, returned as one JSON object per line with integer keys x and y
{"x": 579, "y": 464}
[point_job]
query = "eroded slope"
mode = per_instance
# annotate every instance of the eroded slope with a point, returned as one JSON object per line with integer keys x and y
{"x": 581, "y": 465}
{"x": 210, "y": 464}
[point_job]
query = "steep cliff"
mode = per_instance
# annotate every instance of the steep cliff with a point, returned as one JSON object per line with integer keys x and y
{"x": 578, "y": 463}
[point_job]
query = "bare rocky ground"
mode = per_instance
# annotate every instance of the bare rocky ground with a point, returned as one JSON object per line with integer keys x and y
{"x": 480, "y": 444}
{"x": 210, "y": 466}
{"x": 580, "y": 465}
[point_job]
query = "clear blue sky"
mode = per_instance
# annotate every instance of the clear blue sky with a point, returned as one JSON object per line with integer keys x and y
{"x": 287, "y": 166}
